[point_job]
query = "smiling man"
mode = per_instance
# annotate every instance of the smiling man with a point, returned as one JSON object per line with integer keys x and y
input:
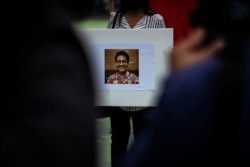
{"x": 122, "y": 76}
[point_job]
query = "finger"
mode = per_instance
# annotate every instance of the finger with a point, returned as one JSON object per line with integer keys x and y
{"x": 214, "y": 47}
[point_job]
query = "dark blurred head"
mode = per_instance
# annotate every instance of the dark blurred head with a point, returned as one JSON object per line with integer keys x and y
{"x": 221, "y": 16}
{"x": 43, "y": 8}
{"x": 134, "y": 5}
{"x": 27, "y": 19}
{"x": 78, "y": 8}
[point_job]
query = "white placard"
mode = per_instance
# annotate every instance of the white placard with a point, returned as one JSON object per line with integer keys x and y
{"x": 153, "y": 46}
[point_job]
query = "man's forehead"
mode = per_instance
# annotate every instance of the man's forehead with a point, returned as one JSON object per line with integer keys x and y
{"x": 121, "y": 57}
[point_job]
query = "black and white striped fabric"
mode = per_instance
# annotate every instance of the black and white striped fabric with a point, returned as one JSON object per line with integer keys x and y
{"x": 153, "y": 21}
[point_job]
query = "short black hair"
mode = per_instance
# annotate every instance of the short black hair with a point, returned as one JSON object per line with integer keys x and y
{"x": 123, "y": 53}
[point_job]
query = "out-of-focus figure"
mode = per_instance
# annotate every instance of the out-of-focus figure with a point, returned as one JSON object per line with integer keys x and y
{"x": 202, "y": 118}
{"x": 48, "y": 116}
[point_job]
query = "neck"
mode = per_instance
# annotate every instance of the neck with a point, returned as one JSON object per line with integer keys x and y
{"x": 122, "y": 73}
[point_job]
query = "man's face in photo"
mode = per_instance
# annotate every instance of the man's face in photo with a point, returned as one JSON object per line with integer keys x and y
{"x": 121, "y": 63}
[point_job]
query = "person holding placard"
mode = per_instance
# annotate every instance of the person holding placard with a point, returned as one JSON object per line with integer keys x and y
{"x": 132, "y": 14}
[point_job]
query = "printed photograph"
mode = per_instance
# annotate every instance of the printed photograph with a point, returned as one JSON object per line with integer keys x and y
{"x": 121, "y": 66}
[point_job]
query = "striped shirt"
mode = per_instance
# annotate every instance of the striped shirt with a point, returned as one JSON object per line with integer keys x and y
{"x": 146, "y": 22}
{"x": 153, "y": 21}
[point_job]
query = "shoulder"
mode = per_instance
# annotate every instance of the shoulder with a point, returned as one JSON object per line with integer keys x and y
{"x": 111, "y": 19}
{"x": 156, "y": 19}
{"x": 112, "y": 14}
{"x": 193, "y": 83}
{"x": 115, "y": 13}
{"x": 196, "y": 75}
{"x": 157, "y": 16}
{"x": 188, "y": 96}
